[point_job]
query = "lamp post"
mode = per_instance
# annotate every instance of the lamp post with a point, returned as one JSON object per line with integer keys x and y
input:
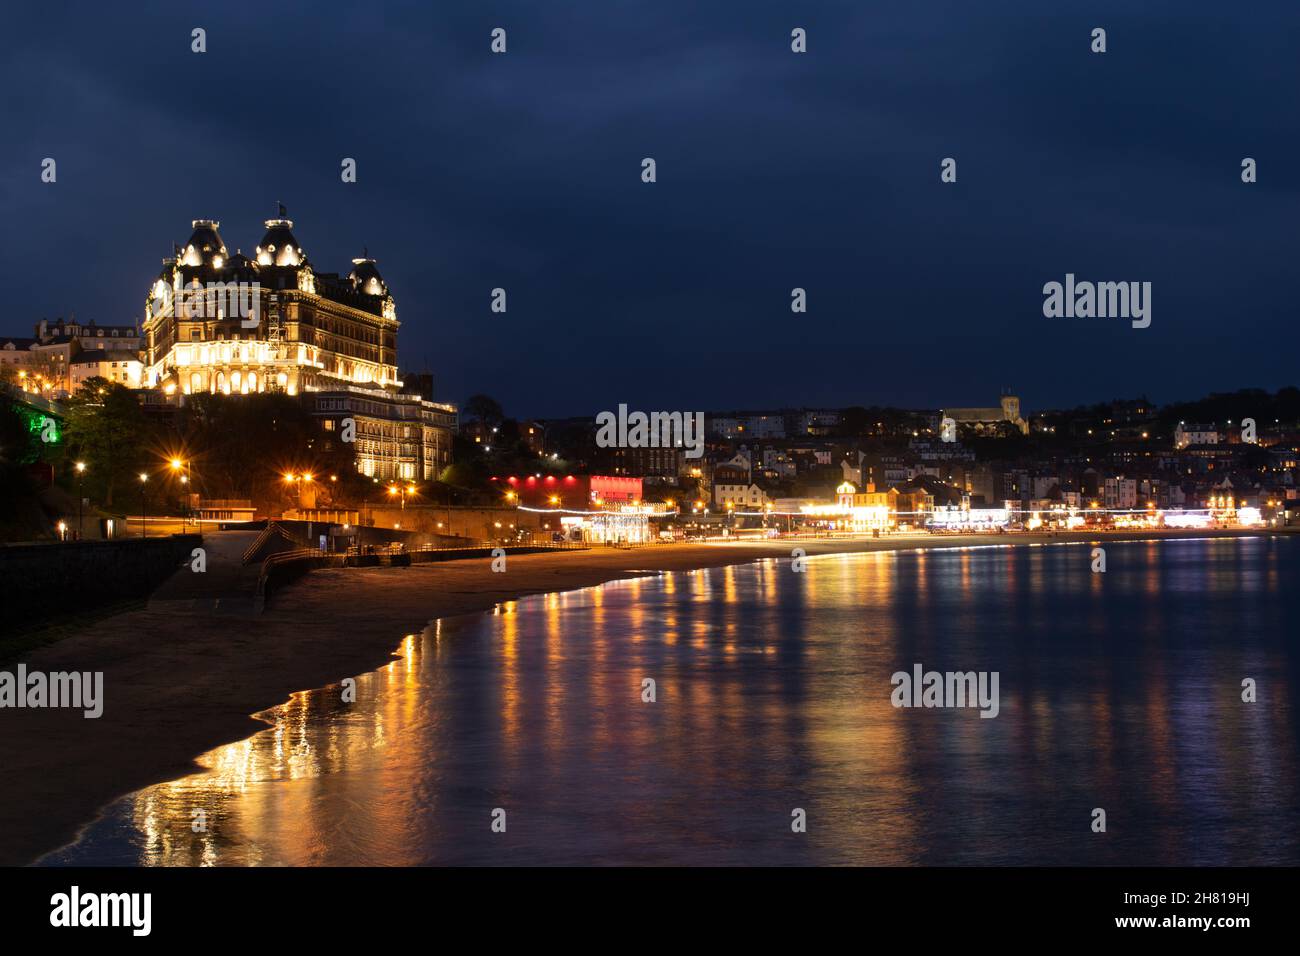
{"x": 81, "y": 471}
{"x": 144, "y": 505}
{"x": 402, "y": 491}
{"x": 181, "y": 469}
{"x": 306, "y": 481}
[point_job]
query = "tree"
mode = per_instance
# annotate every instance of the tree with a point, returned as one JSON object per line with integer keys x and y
{"x": 20, "y": 514}
{"x": 242, "y": 446}
{"x": 107, "y": 429}
{"x": 45, "y": 372}
{"x": 485, "y": 409}
{"x": 19, "y": 443}
{"x": 468, "y": 470}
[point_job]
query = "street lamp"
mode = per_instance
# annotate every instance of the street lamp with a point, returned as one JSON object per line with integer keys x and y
{"x": 144, "y": 505}
{"x": 81, "y": 471}
{"x": 181, "y": 469}
{"x": 403, "y": 491}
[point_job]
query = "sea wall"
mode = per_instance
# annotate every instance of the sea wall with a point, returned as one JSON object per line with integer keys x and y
{"x": 45, "y": 581}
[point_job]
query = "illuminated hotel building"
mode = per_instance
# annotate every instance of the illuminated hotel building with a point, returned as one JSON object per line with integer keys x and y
{"x": 397, "y": 435}
{"x": 217, "y": 322}
{"x": 299, "y": 329}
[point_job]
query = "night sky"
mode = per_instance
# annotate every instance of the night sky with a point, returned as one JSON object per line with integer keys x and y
{"x": 775, "y": 170}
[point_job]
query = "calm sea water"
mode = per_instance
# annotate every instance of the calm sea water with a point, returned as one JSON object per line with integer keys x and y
{"x": 1119, "y": 690}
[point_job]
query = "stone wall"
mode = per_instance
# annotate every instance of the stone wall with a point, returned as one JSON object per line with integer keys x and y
{"x": 476, "y": 524}
{"x": 46, "y": 581}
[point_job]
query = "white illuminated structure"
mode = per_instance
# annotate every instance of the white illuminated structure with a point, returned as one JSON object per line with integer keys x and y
{"x": 216, "y": 322}
{"x": 970, "y": 519}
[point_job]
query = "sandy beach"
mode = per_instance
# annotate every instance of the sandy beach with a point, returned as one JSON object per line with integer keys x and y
{"x": 178, "y": 684}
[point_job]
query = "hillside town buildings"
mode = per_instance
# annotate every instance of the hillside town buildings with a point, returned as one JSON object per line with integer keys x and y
{"x": 1118, "y": 464}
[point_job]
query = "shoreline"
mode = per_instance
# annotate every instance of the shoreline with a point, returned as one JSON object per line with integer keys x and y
{"x": 179, "y": 685}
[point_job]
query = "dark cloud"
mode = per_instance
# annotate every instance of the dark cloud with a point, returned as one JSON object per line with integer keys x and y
{"x": 775, "y": 171}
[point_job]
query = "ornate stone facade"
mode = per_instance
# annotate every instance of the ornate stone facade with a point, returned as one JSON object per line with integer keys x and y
{"x": 216, "y": 322}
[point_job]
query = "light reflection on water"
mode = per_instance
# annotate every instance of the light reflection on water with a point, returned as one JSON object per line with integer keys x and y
{"x": 1119, "y": 691}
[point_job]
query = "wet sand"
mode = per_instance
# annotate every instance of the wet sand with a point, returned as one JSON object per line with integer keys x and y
{"x": 179, "y": 684}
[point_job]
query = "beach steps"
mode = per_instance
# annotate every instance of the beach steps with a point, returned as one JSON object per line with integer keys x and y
{"x": 227, "y": 587}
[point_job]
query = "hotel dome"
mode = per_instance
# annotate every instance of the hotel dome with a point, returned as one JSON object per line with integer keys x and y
{"x": 365, "y": 277}
{"x": 279, "y": 247}
{"x": 205, "y": 247}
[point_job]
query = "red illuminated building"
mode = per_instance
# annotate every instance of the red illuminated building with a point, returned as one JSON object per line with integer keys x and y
{"x": 571, "y": 492}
